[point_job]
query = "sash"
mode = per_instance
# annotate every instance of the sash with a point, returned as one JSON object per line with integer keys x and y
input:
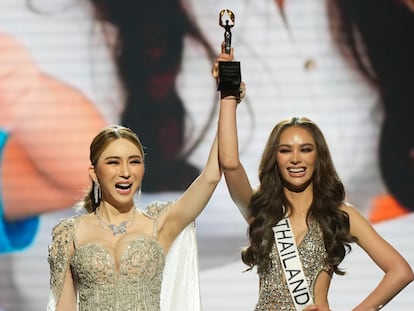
{"x": 291, "y": 264}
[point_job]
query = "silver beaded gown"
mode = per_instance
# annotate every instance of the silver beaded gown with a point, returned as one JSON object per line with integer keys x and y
{"x": 100, "y": 285}
{"x": 274, "y": 293}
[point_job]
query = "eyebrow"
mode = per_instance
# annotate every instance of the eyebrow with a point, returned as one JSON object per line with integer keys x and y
{"x": 117, "y": 157}
{"x": 289, "y": 145}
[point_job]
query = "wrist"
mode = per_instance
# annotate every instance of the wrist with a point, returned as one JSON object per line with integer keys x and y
{"x": 230, "y": 96}
{"x": 230, "y": 99}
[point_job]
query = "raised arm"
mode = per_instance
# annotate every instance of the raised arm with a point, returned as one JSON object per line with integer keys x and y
{"x": 235, "y": 175}
{"x": 194, "y": 199}
{"x": 398, "y": 273}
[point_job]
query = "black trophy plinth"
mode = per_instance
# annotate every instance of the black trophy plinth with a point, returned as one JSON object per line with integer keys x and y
{"x": 229, "y": 77}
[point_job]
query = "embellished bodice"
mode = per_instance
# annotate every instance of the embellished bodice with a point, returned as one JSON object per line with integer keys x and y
{"x": 134, "y": 284}
{"x": 274, "y": 292}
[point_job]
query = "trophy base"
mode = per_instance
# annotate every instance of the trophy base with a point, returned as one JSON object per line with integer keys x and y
{"x": 229, "y": 78}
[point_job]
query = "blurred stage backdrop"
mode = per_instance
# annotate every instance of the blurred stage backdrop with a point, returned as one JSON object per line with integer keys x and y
{"x": 158, "y": 82}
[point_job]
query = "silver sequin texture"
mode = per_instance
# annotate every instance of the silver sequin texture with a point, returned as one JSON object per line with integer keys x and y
{"x": 274, "y": 293}
{"x": 100, "y": 285}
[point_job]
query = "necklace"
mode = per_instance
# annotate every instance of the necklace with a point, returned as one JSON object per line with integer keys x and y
{"x": 116, "y": 229}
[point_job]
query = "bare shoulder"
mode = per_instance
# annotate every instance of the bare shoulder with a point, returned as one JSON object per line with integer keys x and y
{"x": 351, "y": 210}
{"x": 359, "y": 225}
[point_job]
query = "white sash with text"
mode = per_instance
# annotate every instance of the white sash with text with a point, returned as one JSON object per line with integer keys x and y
{"x": 292, "y": 266}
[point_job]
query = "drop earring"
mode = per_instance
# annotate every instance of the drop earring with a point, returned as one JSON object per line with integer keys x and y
{"x": 96, "y": 192}
{"x": 138, "y": 197}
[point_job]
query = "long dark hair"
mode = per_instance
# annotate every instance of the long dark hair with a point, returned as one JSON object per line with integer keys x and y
{"x": 328, "y": 196}
{"x": 148, "y": 53}
{"x": 377, "y": 36}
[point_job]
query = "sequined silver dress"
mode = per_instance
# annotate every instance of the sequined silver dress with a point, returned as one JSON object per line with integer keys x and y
{"x": 100, "y": 285}
{"x": 274, "y": 293}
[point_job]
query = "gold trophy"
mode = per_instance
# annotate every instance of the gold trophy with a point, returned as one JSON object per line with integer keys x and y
{"x": 229, "y": 78}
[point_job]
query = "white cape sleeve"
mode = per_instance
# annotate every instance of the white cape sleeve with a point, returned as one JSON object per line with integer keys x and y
{"x": 180, "y": 288}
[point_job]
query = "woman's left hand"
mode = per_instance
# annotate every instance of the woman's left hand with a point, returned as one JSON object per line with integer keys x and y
{"x": 224, "y": 57}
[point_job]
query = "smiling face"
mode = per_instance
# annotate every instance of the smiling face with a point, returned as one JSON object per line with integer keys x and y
{"x": 119, "y": 171}
{"x": 296, "y": 158}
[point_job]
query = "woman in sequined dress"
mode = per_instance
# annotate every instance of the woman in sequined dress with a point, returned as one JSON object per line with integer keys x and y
{"x": 298, "y": 181}
{"x": 113, "y": 257}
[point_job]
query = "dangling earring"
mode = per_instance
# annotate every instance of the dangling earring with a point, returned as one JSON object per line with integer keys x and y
{"x": 96, "y": 192}
{"x": 138, "y": 197}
